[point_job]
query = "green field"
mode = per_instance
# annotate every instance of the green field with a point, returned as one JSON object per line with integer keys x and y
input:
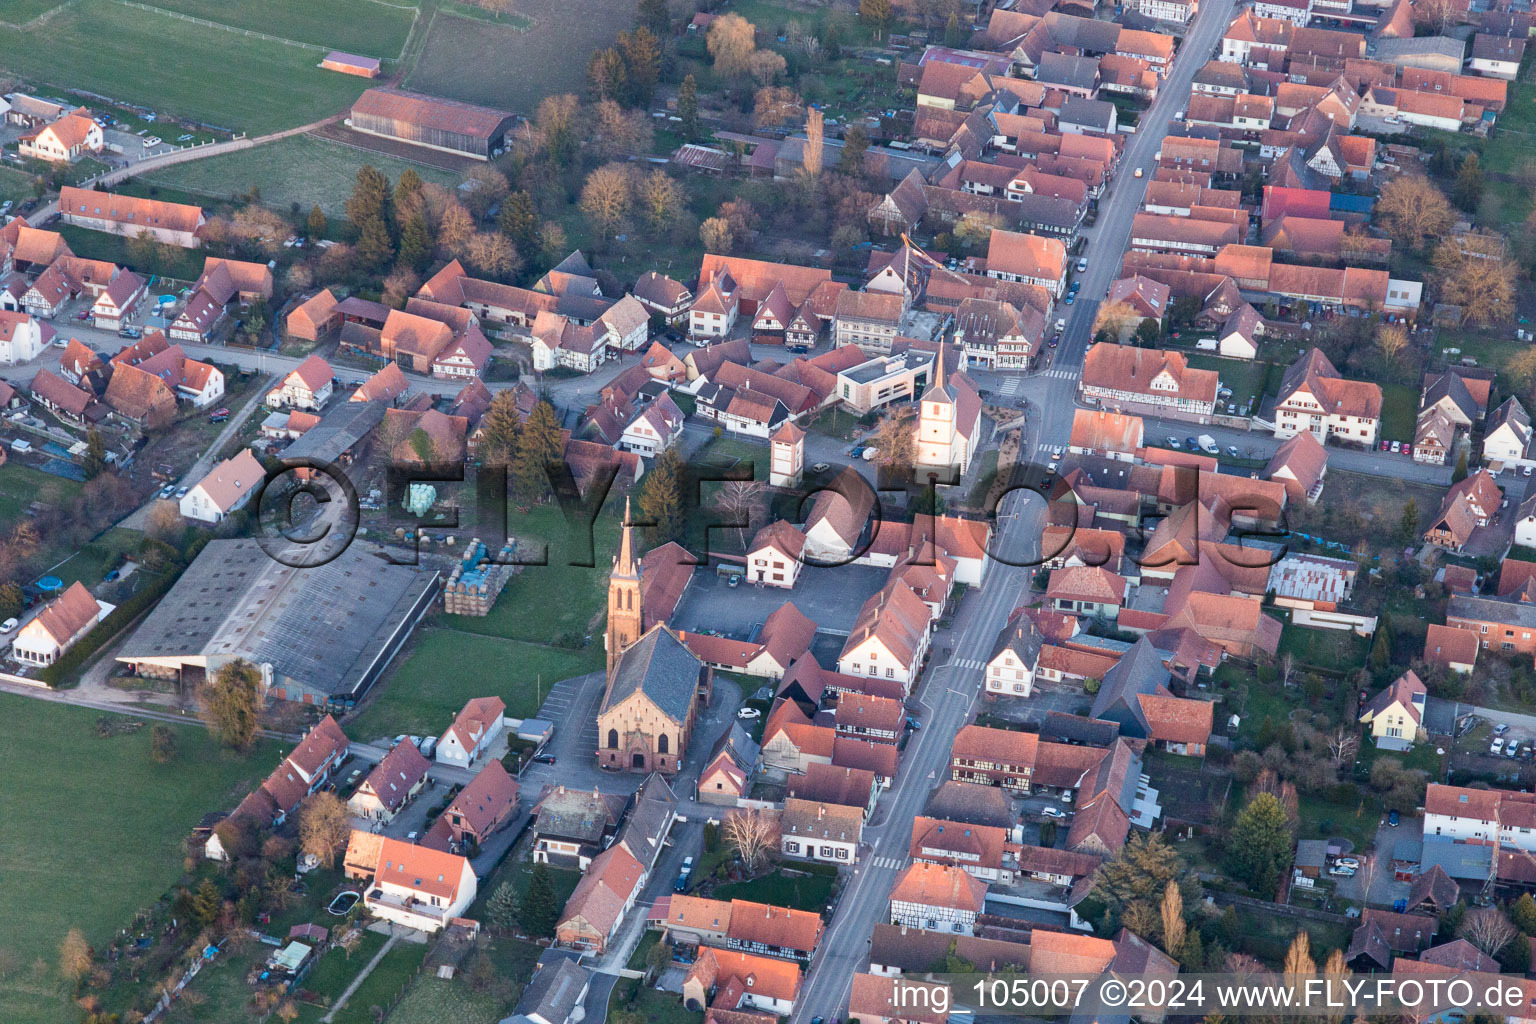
{"x": 1399, "y": 410}
{"x": 299, "y": 169}
{"x": 98, "y": 245}
{"x": 19, "y": 12}
{"x": 799, "y": 892}
{"x": 14, "y": 185}
{"x": 94, "y": 833}
{"x": 356, "y": 26}
{"x": 193, "y": 71}
{"x": 21, "y": 485}
{"x": 508, "y": 67}
{"x": 421, "y": 698}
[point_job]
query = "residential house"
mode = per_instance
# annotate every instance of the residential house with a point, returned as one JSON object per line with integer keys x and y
{"x": 1468, "y": 505}
{"x": 306, "y": 386}
{"x": 116, "y": 304}
{"x": 473, "y": 734}
{"x": 1314, "y": 396}
{"x": 570, "y": 826}
{"x": 727, "y": 774}
{"x": 226, "y": 489}
{"x": 982, "y": 851}
{"x": 601, "y": 900}
{"x": 663, "y": 297}
{"x": 61, "y": 624}
{"x": 776, "y": 555}
{"x": 1117, "y": 376}
{"x": 1507, "y": 437}
{"x": 876, "y": 999}
{"x": 314, "y": 318}
{"x": 810, "y": 830}
{"x": 64, "y": 141}
{"x": 1031, "y": 259}
{"x": 1300, "y": 463}
{"x": 554, "y": 995}
{"x": 1396, "y": 714}
{"x": 392, "y": 784}
{"x": 170, "y": 223}
{"x": 890, "y": 637}
{"x": 22, "y": 337}
{"x": 730, "y": 980}
{"x": 763, "y": 929}
{"x": 1088, "y": 591}
{"x": 654, "y": 429}
{"x": 419, "y": 887}
{"x": 1456, "y": 649}
{"x": 1482, "y": 816}
{"x": 70, "y": 403}
{"x": 1010, "y": 671}
{"x": 1499, "y": 625}
{"x": 937, "y": 897}
{"x": 1106, "y": 434}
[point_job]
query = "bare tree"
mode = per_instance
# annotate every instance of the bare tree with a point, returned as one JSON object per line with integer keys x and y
{"x": 1342, "y": 745}
{"x": 1287, "y": 665}
{"x": 74, "y": 956}
{"x": 1412, "y": 210}
{"x": 743, "y": 503}
{"x": 1488, "y": 929}
{"x": 815, "y": 133}
{"x": 1391, "y": 339}
{"x": 895, "y": 439}
{"x": 731, "y": 42}
{"x": 1118, "y": 318}
{"x": 753, "y": 833}
{"x": 325, "y": 826}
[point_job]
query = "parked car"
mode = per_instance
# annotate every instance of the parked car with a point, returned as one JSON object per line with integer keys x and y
{"x": 747, "y": 714}
{"x": 1512, "y": 749}
{"x": 1501, "y": 729}
{"x": 1496, "y": 747}
{"x": 544, "y": 759}
{"x": 1172, "y": 441}
{"x": 913, "y": 724}
{"x": 1071, "y": 297}
{"x": 1397, "y": 446}
{"x": 1393, "y": 820}
{"x": 820, "y": 467}
{"x": 167, "y": 490}
{"x": 1347, "y": 862}
{"x": 181, "y": 492}
{"x": 111, "y": 575}
{"x": 682, "y": 876}
{"x": 1053, "y": 812}
{"x": 1386, "y": 445}
{"x": 1194, "y": 445}
{"x": 1232, "y": 450}
{"x": 9, "y": 626}
{"x": 1082, "y": 264}
{"x": 218, "y": 417}
{"x": 1339, "y": 872}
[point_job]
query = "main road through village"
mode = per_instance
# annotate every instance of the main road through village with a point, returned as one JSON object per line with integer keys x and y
{"x": 952, "y": 685}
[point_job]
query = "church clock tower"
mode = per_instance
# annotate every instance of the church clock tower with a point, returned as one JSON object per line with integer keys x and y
{"x": 626, "y": 621}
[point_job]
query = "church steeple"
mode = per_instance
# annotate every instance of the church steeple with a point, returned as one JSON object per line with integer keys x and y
{"x": 626, "y": 618}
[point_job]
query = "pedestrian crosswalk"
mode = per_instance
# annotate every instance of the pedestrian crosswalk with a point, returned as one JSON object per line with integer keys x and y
{"x": 1010, "y": 386}
{"x": 970, "y": 663}
{"x": 893, "y": 863}
{"x": 1063, "y": 374}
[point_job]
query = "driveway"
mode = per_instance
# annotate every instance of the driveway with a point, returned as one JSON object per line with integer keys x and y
{"x": 1384, "y": 889}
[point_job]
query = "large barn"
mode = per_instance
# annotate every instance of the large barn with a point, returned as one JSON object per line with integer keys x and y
{"x": 445, "y": 125}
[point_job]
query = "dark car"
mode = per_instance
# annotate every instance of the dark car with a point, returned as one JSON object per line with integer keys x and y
{"x": 1194, "y": 445}
{"x": 1393, "y": 819}
{"x": 544, "y": 759}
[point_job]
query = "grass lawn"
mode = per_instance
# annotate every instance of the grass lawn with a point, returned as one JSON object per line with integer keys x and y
{"x": 19, "y": 12}
{"x": 801, "y": 892}
{"x": 21, "y": 485}
{"x": 1332, "y": 649}
{"x": 278, "y": 85}
{"x": 731, "y": 453}
{"x": 15, "y": 185}
{"x": 299, "y": 169}
{"x": 356, "y": 26}
{"x": 419, "y": 697}
{"x": 384, "y": 986}
{"x": 1355, "y": 821}
{"x": 124, "y": 810}
{"x": 432, "y": 999}
{"x": 1245, "y": 377}
{"x": 98, "y": 245}
{"x": 655, "y": 1007}
{"x": 1399, "y": 410}
{"x": 335, "y": 971}
{"x": 507, "y": 66}
{"x": 524, "y": 611}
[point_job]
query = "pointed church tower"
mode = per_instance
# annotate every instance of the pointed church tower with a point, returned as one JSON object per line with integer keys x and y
{"x": 936, "y": 426}
{"x": 626, "y": 620}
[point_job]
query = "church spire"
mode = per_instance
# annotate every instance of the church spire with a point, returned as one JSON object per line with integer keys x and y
{"x": 625, "y": 565}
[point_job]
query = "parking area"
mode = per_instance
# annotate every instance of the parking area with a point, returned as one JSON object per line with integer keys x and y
{"x": 1041, "y": 702}
{"x": 829, "y": 596}
{"x": 1392, "y": 844}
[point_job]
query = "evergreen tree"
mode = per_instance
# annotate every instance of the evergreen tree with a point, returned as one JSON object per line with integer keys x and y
{"x": 541, "y": 905}
{"x": 1408, "y": 525}
{"x": 502, "y": 907}
{"x": 206, "y": 903}
{"x": 500, "y": 428}
{"x": 606, "y": 77}
{"x": 1259, "y": 845}
{"x": 641, "y": 51}
{"x": 370, "y": 197}
{"x": 1467, "y": 192}
{"x": 416, "y": 243}
{"x": 855, "y": 148}
{"x": 519, "y": 221}
{"x": 11, "y": 599}
{"x": 1523, "y": 913}
{"x": 1192, "y": 952}
{"x": 374, "y": 249}
{"x": 408, "y": 196}
{"x": 952, "y": 34}
{"x": 661, "y": 497}
{"x": 317, "y": 223}
{"x": 654, "y": 15}
{"x": 688, "y": 106}
{"x": 1460, "y": 473}
{"x": 538, "y": 446}
{"x": 1381, "y": 649}
{"x": 95, "y": 454}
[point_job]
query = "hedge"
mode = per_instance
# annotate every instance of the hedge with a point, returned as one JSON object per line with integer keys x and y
{"x": 105, "y": 630}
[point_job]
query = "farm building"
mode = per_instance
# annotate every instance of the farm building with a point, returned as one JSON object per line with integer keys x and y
{"x": 171, "y": 223}
{"x": 440, "y": 124}
{"x": 351, "y": 64}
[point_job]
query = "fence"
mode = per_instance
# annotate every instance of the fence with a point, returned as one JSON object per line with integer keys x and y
{"x": 251, "y": 33}
{"x": 1265, "y": 907}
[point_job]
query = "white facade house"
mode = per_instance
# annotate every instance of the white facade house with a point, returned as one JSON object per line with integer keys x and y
{"x": 473, "y": 733}
{"x": 1481, "y": 816}
{"x": 419, "y": 887}
{"x": 1525, "y": 523}
{"x": 937, "y": 897}
{"x": 307, "y": 386}
{"x": 58, "y": 626}
{"x": 1177, "y": 11}
{"x": 812, "y": 830}
{"x": 226, "y": 488}
{"x": 1011, "y": 669}
{"x": 654, "y": 429}
{"x": 22, "y": 337}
